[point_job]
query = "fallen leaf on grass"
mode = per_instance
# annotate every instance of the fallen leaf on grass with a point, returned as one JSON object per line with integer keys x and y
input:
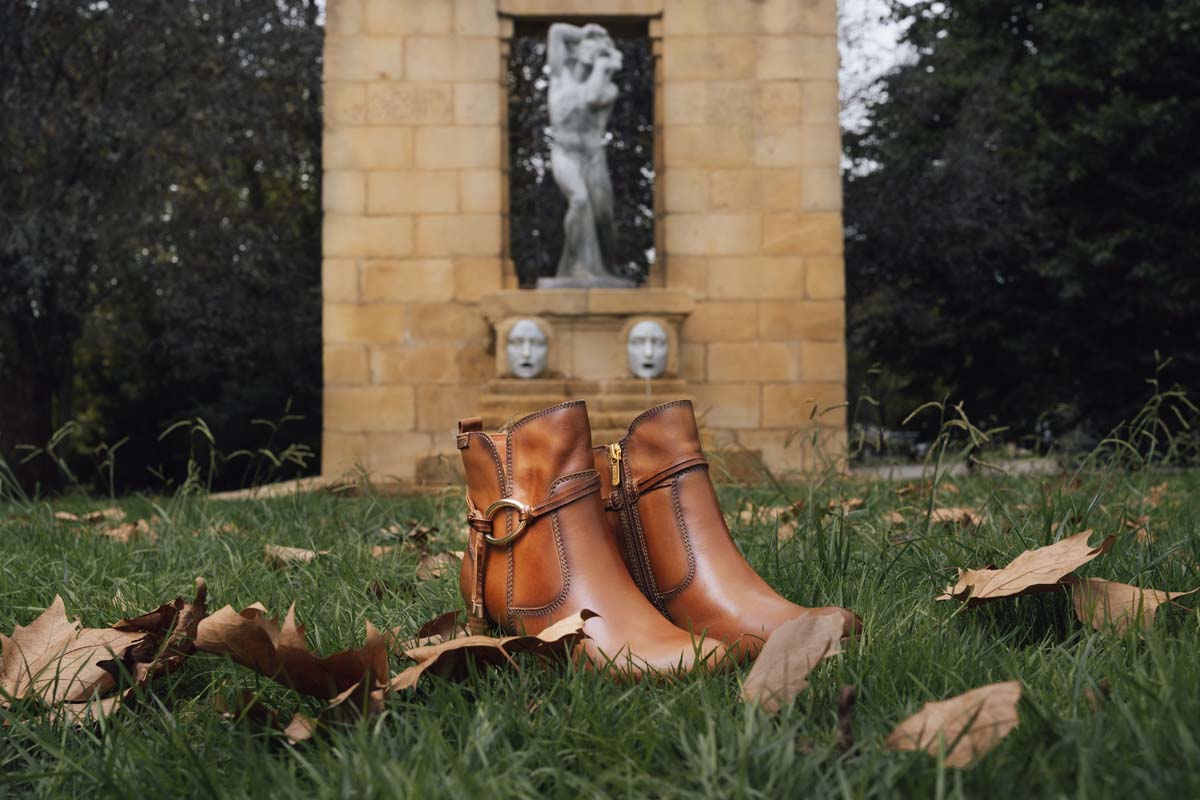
{"x": 965, "y": 727}
{"x": 71, "y": 668}
{"x": 449, "y": 659}
{"x": 92, "y": 517}
{"x": 792, "y": 650}
{"x": 411, "y": 532}
{"x": 253, "y": 640}
{"x": 1097, "y": 696}
{"x": 248, "y": 707}
{"x": 281, "y": 557}
{"x": 1038, "y": 570}
{"x": 955, "y": 515}
{"x": 443, "y": 627}
{"x": 843, "y": 738}
{"x": 224, "y": 529}
{"x": 1101, "y": 603}
{"x": 130, "y": 531}
{"x": 381, "y": 550}
{"x": 57, "y": 660}
{"x": 1141, "y": 529}
{"x": 437, "y": 565}
{"x": 785, "y": 532}
{"x": 893, "y": 518}
{"x": 845, "y": 505}
{"x": 923, "y": 487}
{"x": 171, "y": 630}
{"x": 1156, "y": 494}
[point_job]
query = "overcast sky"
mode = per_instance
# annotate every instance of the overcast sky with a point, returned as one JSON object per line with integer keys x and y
{"x": 869, "y": 48}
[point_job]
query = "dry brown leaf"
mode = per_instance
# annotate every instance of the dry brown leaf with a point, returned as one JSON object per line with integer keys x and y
{"x": 443, "y": 627}
{"x": 255, "y": 641}
{"x": 437, "y": 565}
{"x": 786, "y": 531}
{"x": 281, "y": 557}
{"x": 846, "y": 505}
{"x": 411, "y": 532}
{"x": 248, "y": 707}
{"x": 224, "y": 529}
{"x": 843, "y": 737}
{"x": 449, "y": 659}
{"x": 1097, "y": 696}
{"x": 71, "y": 668}
{"x": 1038, "y": 570}
{"x": 893, "y": 518}
{"x": 130, "y": 531}
{"x": 956, "y": 515}
{"x": 92, "y": 517}
{"x": 381, "y": 550}
{"x": 792, "y": 650}
{"x": 924, "y": 487}
{"x": 965, "y": 727}
{"x": 1156, "y": 494}
{"x": 171, "y": 630}
{"x": 57, "y": 660}
{"x": 1101, "y": 603}
{"x": 1141, "y": 529}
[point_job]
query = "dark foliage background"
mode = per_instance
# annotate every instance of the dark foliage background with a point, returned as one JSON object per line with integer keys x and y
{"x": 1022, "y": 218}
{"x": 159, "y": 226}
{"x": 537, "y": 205}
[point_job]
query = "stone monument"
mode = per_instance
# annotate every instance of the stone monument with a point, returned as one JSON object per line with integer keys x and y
{"x": 420, "y": 284}
{"x": 581, "y": 62}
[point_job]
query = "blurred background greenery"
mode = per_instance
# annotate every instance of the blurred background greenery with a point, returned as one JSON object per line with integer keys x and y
{"x": 1022, "y": 198}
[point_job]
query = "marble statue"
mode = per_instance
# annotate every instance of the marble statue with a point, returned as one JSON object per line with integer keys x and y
{"x": 646, "y": 349}
{"x": 527, "y": 349}
{"x": 582, "y": 62}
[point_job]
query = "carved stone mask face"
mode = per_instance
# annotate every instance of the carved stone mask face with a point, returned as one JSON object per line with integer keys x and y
{"x": 527, "y": 349}
{"x": 647, "y": 349}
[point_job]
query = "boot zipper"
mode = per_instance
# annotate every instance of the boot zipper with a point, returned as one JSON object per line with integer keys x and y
{"x": 630, "y": 523}
{"x": 614, "y": 459}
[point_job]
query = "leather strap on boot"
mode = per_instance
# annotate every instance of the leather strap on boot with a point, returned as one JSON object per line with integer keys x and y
{"x": 482, "y": 524}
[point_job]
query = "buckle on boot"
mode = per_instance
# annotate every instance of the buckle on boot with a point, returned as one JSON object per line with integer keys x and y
{"x": 523, "y": 514}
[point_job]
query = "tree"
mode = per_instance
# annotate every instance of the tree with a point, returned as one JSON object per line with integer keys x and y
{"x": 1020, "y": 217}
{"x": 159, "y": 237}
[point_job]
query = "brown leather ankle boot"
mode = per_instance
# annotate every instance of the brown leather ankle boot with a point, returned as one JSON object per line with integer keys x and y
{"x": 664, "y": 515}
{"x": 539, "y": 549}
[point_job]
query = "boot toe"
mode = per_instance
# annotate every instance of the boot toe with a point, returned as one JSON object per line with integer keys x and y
{"x": 667, "y": 653}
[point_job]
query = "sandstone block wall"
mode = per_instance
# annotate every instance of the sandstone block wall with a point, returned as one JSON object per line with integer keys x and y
{"x": 749, "y": 202}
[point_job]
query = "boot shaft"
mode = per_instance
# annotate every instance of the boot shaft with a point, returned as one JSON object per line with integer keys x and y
{"x": 529, "y": 489}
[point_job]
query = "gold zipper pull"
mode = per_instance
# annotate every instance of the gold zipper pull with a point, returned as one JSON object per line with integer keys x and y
{"x": 614, "y": 458}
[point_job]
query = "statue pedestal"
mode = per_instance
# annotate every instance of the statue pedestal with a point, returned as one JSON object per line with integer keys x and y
{"x": 586, "y": 332}
{"x": 586, "y": 329}
{"x": 593, "y": 282}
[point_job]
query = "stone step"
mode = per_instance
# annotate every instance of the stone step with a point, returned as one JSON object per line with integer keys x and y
{"x": 515, "y": 403}
{"x": 631, "y": 386}
{"x": 741, "y": 466}
{"x": 519, "y": 386}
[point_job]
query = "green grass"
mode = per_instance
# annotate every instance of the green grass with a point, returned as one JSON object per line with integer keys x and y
{"x": 568, "y": 733}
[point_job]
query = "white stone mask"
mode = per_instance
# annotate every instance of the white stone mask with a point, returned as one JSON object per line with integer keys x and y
{"x": 647, "y": 349}
{"x": 527, "y": 349}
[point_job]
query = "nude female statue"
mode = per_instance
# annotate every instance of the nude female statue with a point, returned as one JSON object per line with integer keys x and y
{"x": 582, "y": 62}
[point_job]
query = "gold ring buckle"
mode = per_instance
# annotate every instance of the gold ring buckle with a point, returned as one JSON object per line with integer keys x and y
{"x": 522, "y": 519}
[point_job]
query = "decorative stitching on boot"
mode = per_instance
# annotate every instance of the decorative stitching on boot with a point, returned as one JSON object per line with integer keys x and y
{"x": 562, "y": 556}
{"x": 653, "y": 412}
{"x": 681, "y": 526}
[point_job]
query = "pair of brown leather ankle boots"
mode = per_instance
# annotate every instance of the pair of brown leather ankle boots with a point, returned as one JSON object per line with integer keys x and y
{"x": 631, "y": 531}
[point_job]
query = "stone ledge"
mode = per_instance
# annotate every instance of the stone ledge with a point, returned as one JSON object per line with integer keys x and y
{"x": 581, "y": 8}
{"x": 649, "y": 301}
